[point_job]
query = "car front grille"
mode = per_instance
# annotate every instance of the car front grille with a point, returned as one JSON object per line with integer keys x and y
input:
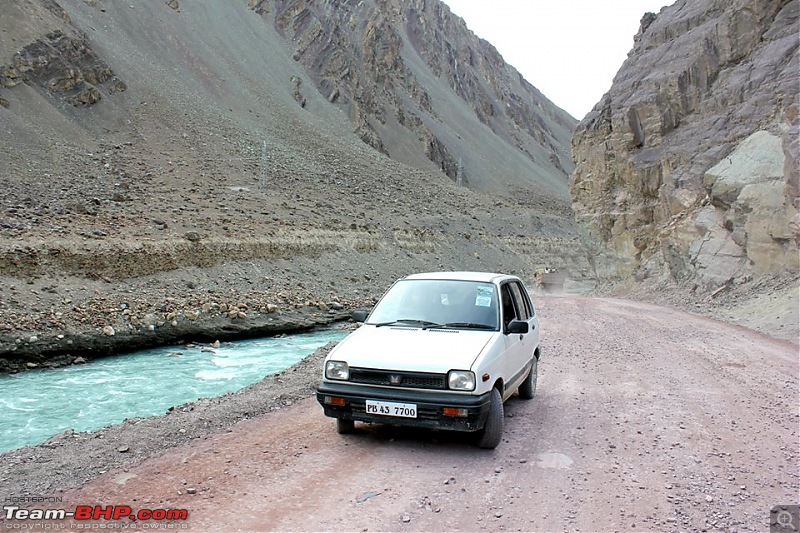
{"x": 411, "y": 380}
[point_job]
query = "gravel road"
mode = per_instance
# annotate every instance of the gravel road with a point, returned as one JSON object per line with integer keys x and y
{"x": 646, "y": 418}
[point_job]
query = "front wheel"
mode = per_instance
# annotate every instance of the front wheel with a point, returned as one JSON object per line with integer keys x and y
{"x": 528, "y": 387}
{"x": 491, "y": 434}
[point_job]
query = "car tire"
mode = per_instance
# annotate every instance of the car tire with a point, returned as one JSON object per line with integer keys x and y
{"x": 491, "y": 434}
{"x": 528, "y": 387}
{"x": 344, "y": 427}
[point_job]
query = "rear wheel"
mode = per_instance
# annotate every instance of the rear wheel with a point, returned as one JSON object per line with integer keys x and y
{"x": 343, "y": 427}
{"x": 491, "y": 434}
{"x": 528, "y": 387}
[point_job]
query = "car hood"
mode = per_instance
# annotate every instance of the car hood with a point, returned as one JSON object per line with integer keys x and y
{"x": 412, "y": 349}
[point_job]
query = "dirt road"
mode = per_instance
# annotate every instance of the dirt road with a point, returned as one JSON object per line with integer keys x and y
{"x": 645, "y": 418}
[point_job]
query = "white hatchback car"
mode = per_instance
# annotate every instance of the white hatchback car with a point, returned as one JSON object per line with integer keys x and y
{"x": 439, "y": 350}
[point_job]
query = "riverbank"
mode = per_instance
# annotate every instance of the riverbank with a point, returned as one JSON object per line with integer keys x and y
{"x": 69, "y": 459}
{"x": 56, "y": 350}
{"x": 51, "y": 321}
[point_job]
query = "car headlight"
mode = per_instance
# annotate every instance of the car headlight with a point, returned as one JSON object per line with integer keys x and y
{"x": 337, "y": 370}
{"x": 461, "y": 380}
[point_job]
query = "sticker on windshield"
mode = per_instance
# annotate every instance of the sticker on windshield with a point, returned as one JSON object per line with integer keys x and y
{"x": 483, "y": 296}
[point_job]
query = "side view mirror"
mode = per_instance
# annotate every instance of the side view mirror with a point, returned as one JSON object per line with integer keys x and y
{"x": 517, "y": 326}
{"x": 360, "y": 316}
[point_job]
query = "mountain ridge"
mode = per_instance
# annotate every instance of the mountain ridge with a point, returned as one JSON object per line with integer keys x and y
{"x": 373, "y": 59}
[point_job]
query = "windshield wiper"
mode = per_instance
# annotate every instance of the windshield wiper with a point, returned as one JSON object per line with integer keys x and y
{"x": 471, "y": 325}
{"x": 424, "y": 323}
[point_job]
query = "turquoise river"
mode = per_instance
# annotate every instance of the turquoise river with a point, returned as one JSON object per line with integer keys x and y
{"x": 39, "y": 404}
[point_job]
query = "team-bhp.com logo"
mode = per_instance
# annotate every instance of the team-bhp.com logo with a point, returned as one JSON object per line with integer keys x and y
{"x": 94, "y": 513}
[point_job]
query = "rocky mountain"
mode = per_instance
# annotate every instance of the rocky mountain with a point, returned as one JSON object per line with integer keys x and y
{"x": 171, "y": 167}
{"x": 421, "y": 88}
{"x": 687, "y": 169}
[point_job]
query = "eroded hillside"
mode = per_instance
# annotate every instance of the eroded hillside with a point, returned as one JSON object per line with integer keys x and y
{"x": 168, "y": 163}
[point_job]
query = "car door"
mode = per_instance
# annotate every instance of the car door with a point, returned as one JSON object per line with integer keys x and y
{"x": 524, "y": 304}
{"x": 515, "y": 357}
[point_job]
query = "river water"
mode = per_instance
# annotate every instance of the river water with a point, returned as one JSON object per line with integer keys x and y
{"x": 36, "y": 405}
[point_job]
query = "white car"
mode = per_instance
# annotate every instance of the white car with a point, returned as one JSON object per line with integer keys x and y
{"x": 439, "y": 350}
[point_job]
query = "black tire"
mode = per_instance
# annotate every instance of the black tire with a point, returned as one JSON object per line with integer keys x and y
{"x": 492, "y": 433}
{"x": 528, "y": 387}
{"x": 344, "y": 427}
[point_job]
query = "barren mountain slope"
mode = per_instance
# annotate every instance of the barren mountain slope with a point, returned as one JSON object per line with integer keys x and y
{"x": 166, "y": 164}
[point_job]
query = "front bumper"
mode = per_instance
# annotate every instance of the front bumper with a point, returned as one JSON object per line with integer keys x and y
{"x": 429, "y": 406}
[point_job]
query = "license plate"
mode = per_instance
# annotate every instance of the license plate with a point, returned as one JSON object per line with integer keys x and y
{"x": 405, "y": 410}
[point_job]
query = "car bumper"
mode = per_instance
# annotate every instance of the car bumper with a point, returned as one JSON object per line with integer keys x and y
{"x": 429, "y": 406}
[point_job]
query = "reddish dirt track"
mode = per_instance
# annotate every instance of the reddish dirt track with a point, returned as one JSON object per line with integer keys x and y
{"x": 645, "y": 418}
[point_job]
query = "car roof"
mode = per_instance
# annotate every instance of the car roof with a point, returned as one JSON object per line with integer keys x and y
{"x": 486, "y": 277}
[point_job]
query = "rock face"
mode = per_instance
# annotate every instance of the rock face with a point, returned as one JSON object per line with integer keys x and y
{"x": 423, "y": 89}
{"x": 687, "y": 167}
{"x": 61, "y": 63}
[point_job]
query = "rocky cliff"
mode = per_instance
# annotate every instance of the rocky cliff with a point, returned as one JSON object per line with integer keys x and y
{"x": 61, "y": 62}
{"x": 688, "y": 166}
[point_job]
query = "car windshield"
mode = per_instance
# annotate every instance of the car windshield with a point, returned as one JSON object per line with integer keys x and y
{"x": 438, "y": 303}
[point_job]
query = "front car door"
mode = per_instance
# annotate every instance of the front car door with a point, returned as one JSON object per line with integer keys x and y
{"x": 516, "y": 357}
{"x": 523, "y": 301}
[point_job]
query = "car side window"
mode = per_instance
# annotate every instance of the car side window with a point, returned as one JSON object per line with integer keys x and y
{"x": 522, "y": 300}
